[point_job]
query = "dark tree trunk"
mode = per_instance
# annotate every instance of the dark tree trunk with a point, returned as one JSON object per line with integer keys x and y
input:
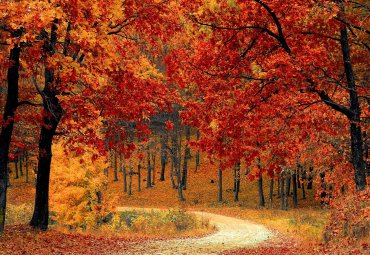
{"x": 186, "y": 158}
{"x": 130, "y": 178}
{"x": 278, "y": 188}
{"x": 16, "y": 168}
{"x": 154, "y": 155}
{"x": 260, "y": 185}
{"x": 271, "y": 191}
{"x": 288, "y": 177}
{"x": 27, "y": 167}
{"x": 149, "y": 174}
{"x": 164, "y": 141}
{"x": 124, "y": 171}
{"x": 288, "y": 184}
{"x": 303, "y": 178}
{"x": 52, "y": 114}
{"x": 366, "y": 152}
{"x": 236, "y": 181}
{"x": 310, "y": 178}
{"x": 40, "y": 216}
{"x": 282, "y": 191}
{"x": 354, "y": 116}
{"x": 197, "y": 155}
{"x": 7, "y": 128}
{"x": 21, "y": 164}
{"x": 115, "y": 165}
{"x": 139, "y": 177}
{"x": 220, "y": 184}
{"x": 295, "y": 195}
{"x": 260, "y": 191}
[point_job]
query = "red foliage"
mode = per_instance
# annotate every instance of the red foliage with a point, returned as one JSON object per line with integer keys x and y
{"x": 20, "y": 239}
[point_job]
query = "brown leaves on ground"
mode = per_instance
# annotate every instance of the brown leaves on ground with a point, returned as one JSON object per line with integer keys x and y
{"x": 278, "y": 246}
{"x": 20, "y": 239}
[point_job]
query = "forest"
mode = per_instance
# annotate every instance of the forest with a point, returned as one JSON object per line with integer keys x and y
{"x": 184, "y": 127}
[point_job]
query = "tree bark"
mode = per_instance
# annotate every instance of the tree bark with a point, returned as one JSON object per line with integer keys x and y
{"x": 27, "y": 166}
{"x": 271, "y": 191}
{"x": 149, "y": 175}
{"x": 7, "y": 128}
{"x": 295, "y": 195}
{"x": 139, "y": 177}
{"x": 115, "y": 165}
{"x": 219, "y": 184}
{"x": 124, "y": 170}
{"x": 260, "y": 185}
{"x": 164, "y": 141}
{"x": 236, "y": 181}
{"x": 197, "y": 155}
{"x": 16, "y": 168}
{"x": 282, "y": 191}
{"x": 52, "y": 114}
{"x": 355, "y": 119}
{"x": 186, "y": 158}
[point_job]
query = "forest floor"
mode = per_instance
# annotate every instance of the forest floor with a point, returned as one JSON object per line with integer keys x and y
{"x": 240, "y": 224}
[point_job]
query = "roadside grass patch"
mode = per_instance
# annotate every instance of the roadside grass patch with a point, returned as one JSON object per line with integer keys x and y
{"x": 161, "y": 224}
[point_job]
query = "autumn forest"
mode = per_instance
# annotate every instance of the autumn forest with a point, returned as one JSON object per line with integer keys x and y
{"x": 184, "y": 127}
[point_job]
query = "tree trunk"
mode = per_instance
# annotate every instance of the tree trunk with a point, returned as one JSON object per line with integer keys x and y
{"x": 271, "y": 191}
{"x": 115, "y": 165}
{"x": 149, "y": 174}
{"x": 52, "y": 114}
{"x": 357, "y": 152}
{"x": 219, "y": 184}
{"x": 164, "y": 140}
{"x": 40, "y": 216}
{"x": 139, "y": 177}
{"x": 237, "y": 181}
{"x": 197, "y": 155}
{"x": 154, "y": 155}
{"x": 287, "y": 190}
{"x": 21, "y": 164}
{"x": 124, "y": 171}
{"x": 282, "y": 192}
{"x": 16, "y": 168}
{"x": 186, "y": 158}
{"x": 288, "y": 184}
{"x": 295, "y": 195}
{"x": 27, "y": 167}
{"x": 7, "y": 128}
{"x": 260, "y": 184}
{"x": 130, "y": 178}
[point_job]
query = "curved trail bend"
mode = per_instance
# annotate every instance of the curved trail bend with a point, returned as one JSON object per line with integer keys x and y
{"x": 231, "y": 233}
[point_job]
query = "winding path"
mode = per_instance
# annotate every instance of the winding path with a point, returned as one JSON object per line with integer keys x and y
{"x": 232, "y": 233}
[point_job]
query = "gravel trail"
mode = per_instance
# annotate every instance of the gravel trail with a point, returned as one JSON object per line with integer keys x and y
{"x": 231, "y": 233}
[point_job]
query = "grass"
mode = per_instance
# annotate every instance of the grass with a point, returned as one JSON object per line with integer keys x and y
{"x": 159, "y": 224}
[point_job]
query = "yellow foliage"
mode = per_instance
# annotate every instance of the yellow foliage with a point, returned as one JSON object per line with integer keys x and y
{"x": 76, "y": 184}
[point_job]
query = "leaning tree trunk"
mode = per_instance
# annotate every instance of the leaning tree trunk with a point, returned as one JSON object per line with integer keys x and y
{"x": 7, "y": 128}
{"x": 53, "y": 112}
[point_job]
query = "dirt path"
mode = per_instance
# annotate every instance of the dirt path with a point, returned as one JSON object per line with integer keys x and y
{"x": 232, "y": 233}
